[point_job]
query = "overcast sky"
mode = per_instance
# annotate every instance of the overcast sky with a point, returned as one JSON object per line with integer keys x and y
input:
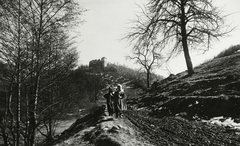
{"x": 107, "y": 22}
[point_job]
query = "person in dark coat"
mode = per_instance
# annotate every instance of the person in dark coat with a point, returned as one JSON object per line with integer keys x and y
{"x": 109, "y": 98}
{"x": 118, "y": 100}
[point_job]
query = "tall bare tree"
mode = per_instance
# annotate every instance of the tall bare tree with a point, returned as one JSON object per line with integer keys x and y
{"x": 182, "y": 25}
{"x": 33, "y": 42}
{"x": 11, "y": 54}
{"x": 48, "y": 19}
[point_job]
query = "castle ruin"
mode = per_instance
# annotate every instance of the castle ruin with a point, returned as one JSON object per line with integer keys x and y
{"x": 98, "y": 64}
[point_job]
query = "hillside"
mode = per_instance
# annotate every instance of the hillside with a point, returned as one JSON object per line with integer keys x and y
{"x": 202, "y": 109}
{"x": 213, "y": 90}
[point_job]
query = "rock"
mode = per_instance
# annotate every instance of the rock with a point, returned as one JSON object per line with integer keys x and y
{"x": 114, "y": 129}
{"x": 105, "y": 140}
{"x": 237, "y": 120}
{"x": 120, "y": 126}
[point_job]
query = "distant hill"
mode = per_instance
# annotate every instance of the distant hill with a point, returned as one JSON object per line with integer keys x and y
{"x": 88, "y": 85}
{"x": 213, "y": 90}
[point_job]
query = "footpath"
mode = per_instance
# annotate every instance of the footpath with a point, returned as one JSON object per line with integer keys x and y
{"x": 99, "y": 129}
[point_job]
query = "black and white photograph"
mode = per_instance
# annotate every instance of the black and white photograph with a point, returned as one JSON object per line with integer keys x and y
{"x": 119, "y": 73}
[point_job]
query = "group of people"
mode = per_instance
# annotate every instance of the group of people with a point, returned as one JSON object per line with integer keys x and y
{"x": 115, "y": 101}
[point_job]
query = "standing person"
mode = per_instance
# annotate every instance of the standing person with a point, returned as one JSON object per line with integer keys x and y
{"x": 118, "y": 100}
{"x": 109, "y": 98}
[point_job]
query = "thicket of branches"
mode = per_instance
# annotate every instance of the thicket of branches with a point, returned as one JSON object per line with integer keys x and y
{"x": 140, "y": 79}
{"x": 179, "y": 26}
{"x": 37, "y": 53}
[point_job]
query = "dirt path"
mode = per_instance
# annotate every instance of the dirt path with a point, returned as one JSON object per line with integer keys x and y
{"x": 102, "y": 131}
{"x": 137, "y": 128}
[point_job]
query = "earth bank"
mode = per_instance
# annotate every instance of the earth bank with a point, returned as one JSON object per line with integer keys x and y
{"x": 137, "y": 128}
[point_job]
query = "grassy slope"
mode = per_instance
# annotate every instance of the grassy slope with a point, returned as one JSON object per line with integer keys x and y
{"x": 213, "y": 90}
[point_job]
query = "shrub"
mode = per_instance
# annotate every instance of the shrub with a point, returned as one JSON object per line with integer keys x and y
{"x": 230, "y": 51}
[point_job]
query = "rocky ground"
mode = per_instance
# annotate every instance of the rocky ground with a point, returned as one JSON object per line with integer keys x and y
{"x": 137, "y": 128}
{"x": 179, "y": 131}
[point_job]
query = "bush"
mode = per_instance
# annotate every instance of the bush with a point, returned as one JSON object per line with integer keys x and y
{"x": 230, "y": 51}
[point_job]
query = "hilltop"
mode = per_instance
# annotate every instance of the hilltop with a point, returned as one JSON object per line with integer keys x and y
{"x": 178, "y": 110}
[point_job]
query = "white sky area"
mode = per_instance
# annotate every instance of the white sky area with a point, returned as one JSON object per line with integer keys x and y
{"x": 107, "y": 22}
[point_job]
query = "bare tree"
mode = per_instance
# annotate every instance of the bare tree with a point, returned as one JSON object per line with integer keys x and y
{"x": 47, "y": 19}
{"x": 181, "y": 25}
{"x": 38, "y": 52}
{"x": 11, "y": 52}
{"x": 145, "y": 53}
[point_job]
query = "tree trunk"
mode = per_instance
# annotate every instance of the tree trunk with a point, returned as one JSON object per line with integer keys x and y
{"x": 19, "y": 75}
{"x": 30, "y": 100}
{"x": 148, "y": 78}
{"x": 18, "y": 108}
{"x": 27, "y": 119}
{"x": 187, "y": 58}
{"x": 4, "y": 135}
{"x": 32, "y": 123}
{"x": 34, "y": 100}
{"x": 10, "y": 113}
{"x": 32, "y": 113}
{"x": 184, "y": 40}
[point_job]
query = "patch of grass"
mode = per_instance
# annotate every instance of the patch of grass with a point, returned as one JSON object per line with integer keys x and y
{"x": 205, "y": 62}
{"x": 230, "y": 51}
